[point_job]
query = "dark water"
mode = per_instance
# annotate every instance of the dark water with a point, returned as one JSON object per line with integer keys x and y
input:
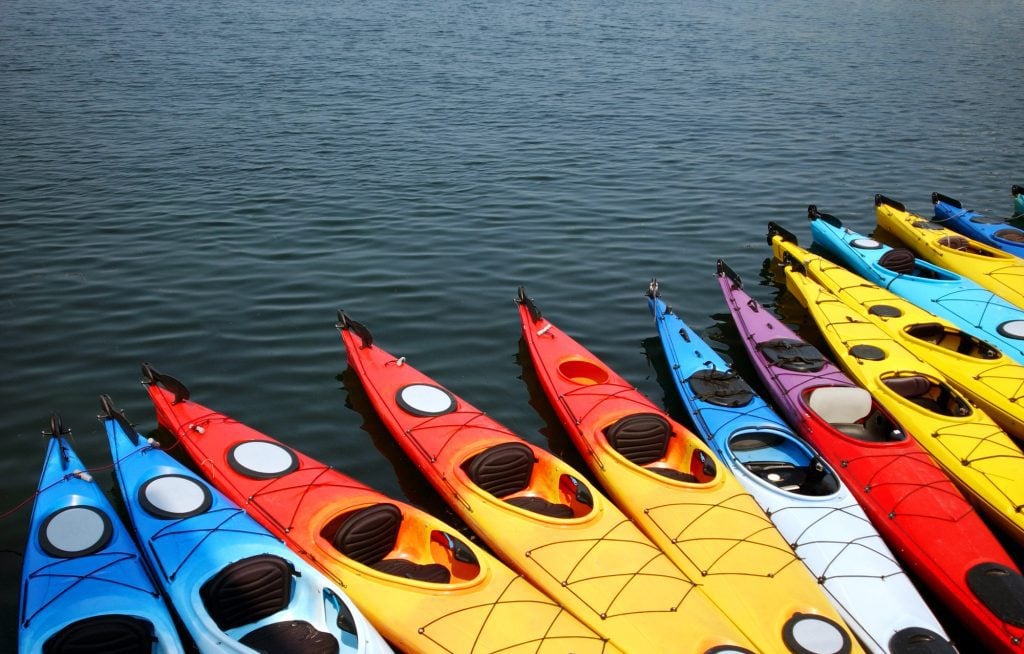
{"x": 202, "y": 185}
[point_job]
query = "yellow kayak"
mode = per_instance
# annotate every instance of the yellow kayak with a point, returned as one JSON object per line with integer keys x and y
{"x": 963, "y": 440}
{"x": 991, "y": 380}
{"x": 998, "y": 271}
{"x": 672, "y": 486}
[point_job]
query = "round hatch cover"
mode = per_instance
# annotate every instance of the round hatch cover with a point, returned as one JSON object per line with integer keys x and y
{"x": 174, "y": 497}
{"x": 425, "y": 400}
{"x": 867, "y": 352}
{"x": 75, "y": 531}
{"x": 885, "y": 311}
{"x": 1012, "y": 329}
{"x": 814, "y": 634}
{"x": 865, "y": 243}
{"x": 262, "y": 459}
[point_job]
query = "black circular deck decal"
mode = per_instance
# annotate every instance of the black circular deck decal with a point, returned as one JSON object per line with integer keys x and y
{"x": 425, "y": 400}
{"x": 885, "y": 311}
{"x": 262, "y": 459}
{"x": 867, "y": 352}
{"x": 865, "y": 243}
{"x": 1012, "y": 329}
{"x": 175, "y": 497}
{"x": 75, "y": 531}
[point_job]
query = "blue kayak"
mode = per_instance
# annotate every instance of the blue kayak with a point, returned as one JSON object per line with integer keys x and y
{"x": 236, "y": 586}
{"x": 971, "y": 307}
{"x": 799, "y": 492}
{"x": 85, "y": 587}
{"x": 949, "y": 212}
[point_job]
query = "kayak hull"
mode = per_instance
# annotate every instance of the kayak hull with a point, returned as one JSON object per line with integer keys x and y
{"x": 807, "y": 502}
{"x": 202, "y": 545}
{"x": 88, "y": 576}
{"x": 425, "y": 588}
{"x": 960, "y": 300}
{"x": 681, "y": 496}
{"x": 998, "y": 271}
{"x": 539, "y": 514}
{"x": 914, "y": 505}
{"x": 950, "y": 213}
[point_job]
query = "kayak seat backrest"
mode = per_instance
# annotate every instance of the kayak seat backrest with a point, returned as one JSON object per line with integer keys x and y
{"x": 954, "y": 242}
{"x": 840, "y": 404}
{"x": 292, "y": 636}
{"x": 643, "y": 438}
{"x": 368, "y": 535}
{"x": 756, "y": 440}
{"x": 104, "y": 634}
{"x": 721, "y": 388}
{"x": 248, "y": 591}
{"x": 915, "y": 389}
{"x": 898, "y": 260}
{"x": 506, "y": 469}
{"x": 1014, "y": 235}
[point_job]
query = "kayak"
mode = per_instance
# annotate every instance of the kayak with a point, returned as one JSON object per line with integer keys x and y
{"x": 959, "y": 300}
{"x": 1018, "y": 200}
{"x": 425, "y": 588}
{"x": 236, "y": 587}
{"x": 799, "y": 491}
{"x": 998, "y": 271}
{"x": 84, "y": 586}
{"x": 965, "y": 442}
{"x": 538, "y": 514}
{"x": 914, "y": 505}
{"x": 989, "y": 378}
{"x": 671, "y": 484}
{"x": 950, "y": 212}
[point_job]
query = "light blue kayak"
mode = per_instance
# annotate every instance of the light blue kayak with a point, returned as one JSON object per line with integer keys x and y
{"x": 236, "y": 586}
{"x": 950, "y": 212}
{"x": 800, "y": 493}
{"x": 974, "y": 309}
{"x": 85, "y": 587}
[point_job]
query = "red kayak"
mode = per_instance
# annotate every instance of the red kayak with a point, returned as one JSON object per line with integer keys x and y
{"x": 914, "y": 505}
{"x": 427, "y": 590}
{"x": 539, "y": 514}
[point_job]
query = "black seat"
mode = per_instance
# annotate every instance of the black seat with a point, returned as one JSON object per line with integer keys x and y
{"x": 104, "y": 634}
{"x": 792, "y": 354}
{"x": 248, "y": 591}
{"x": 898, "y": 260}
{"x": 368, "y": 535}
{"x": 294, "y": 636}
{"x": 914, "y": 389}
{"x": 723, "y": 388}
{"x": 506, "y": 469}
{"x": 643, "y": 438}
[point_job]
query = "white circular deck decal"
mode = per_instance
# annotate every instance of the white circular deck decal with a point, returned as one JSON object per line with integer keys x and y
{"x": 262, "y": 459}
{"x": 75, "y": 531}
{"x": 1012, "y": 329}
{"x": 174, "y": 496}
{"x": 865, "y": 243}
{"x": 425, "y": 400}
{"x": 815, "y": 635}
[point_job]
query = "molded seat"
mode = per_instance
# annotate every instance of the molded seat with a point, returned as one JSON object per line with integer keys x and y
{"x": 104, "y": 634}
{"x": 643, "y": 438}
{"x": 840, "y": 404}
{"x": 248, "y": 591}
{"x": 370, "y": 534}
{"x": 954, "y": 242}
{"x": 294, "y": 636}
{"x": 1014, "y": 235}
{"x": 914, "y": 389}
{"x": 506, "y": 469}
{"x": 898, "y": 260}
